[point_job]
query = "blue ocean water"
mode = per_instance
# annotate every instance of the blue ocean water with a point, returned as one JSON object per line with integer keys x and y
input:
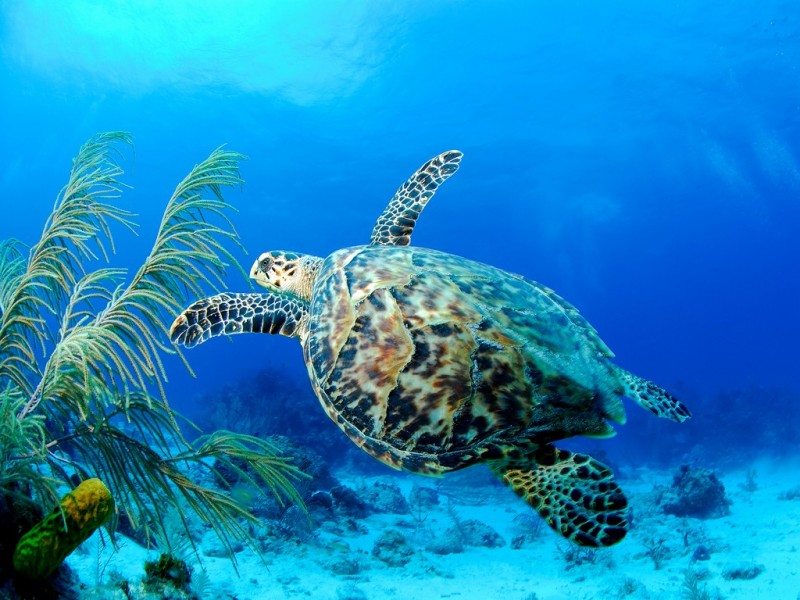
{"x": 641, "y": 158}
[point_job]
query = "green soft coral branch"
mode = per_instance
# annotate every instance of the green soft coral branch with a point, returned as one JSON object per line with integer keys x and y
{"x": 81, "y": 215}
{"x": 145, "y": 477}
{"x": 124, "y": 343}
{"x": 12, "y": 268}
{"x": 79, "y": 348}
{"x": 16, "y": 348}
{"x": 261, "y": 456}
{"x": 23, "y": 448}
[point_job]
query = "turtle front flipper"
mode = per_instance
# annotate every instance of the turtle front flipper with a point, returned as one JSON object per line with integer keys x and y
{"x": 226, "y": 314}
{"x": 397, "y": 221}
{"x": 575, "y": 494}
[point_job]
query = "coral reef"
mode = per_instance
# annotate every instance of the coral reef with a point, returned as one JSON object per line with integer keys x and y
{"x": 80, "y": 512}
{"x": 385, "y": 497}
{"x": 422, "y": 497}
{"x": 695, "y": 492}
{"x": 449, "y": 542}
{"x": 166, "y": 576}
{"x": 475, "y": 533}
{"x": 348, "y": 502}
{"x": 345, "y": 565}
{"x": 295, "y": 523}
{"x": 392, "y": 548}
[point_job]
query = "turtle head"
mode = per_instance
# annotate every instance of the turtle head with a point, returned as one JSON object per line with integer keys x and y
{"x": 286, "y": 272}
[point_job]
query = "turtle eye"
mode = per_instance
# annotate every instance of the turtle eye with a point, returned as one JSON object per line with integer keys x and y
{"x": 265, "y": 264}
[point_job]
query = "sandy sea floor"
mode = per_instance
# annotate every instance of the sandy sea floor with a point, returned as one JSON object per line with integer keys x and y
{"x": 657, "y": 560}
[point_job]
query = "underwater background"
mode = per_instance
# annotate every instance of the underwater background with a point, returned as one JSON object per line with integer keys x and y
{"x": 640, "y": 158}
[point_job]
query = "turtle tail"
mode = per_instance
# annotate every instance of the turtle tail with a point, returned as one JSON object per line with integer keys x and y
{"x": 652, "y": 397}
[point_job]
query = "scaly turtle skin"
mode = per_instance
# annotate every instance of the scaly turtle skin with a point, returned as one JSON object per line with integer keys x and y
{"x": 431, "y": 362}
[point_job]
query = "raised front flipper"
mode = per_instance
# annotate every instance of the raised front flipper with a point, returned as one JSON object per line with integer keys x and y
{"x": 575, "y": 494}
{"x": 396, "y": 223}
{"x": 650, "y": 396}
{"x": 239, "y": 313}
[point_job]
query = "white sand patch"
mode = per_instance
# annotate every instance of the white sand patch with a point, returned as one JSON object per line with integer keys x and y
{"x": 761, "y": 529}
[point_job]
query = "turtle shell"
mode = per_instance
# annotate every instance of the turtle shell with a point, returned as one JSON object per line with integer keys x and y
{"x": 432, "y": 362}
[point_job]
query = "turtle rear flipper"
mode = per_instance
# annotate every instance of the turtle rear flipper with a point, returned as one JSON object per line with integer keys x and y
{"x": 575, "y": 495}
{"x": 652, "y": 397}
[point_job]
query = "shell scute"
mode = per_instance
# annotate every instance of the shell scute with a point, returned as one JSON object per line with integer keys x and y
{"x": 431, "y": 298}
{"x": 376, "y": 350}
{"x": 332, "y": 326}
{"x": 433, "y": 387}
{"x": 365, "y": 274}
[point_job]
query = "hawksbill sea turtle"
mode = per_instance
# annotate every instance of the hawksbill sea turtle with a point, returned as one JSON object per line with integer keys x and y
{"x": 431, "y": 362}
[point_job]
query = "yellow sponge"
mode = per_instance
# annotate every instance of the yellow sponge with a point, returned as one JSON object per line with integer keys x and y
{"x": 43, "y": 548}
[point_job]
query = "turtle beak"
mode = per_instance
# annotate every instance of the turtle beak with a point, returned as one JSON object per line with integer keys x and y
{"x": 254, "y": 271}
{"x": 258, "y": 275}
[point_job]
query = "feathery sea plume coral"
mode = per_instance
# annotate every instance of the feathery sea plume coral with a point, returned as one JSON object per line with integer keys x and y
{"x": 81, "y": 371}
